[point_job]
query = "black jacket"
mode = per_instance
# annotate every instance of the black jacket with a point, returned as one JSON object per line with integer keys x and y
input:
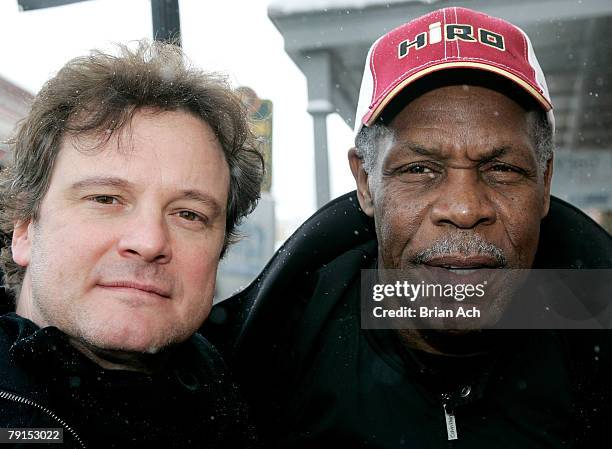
{"x": 45, "y": 382}
{"x": 315, "y": 379}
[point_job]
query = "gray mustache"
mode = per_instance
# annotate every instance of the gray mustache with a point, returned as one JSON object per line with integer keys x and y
{"x": 464, "y": 244}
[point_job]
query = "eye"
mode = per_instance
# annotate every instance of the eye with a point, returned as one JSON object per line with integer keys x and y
{"x": 503, "y": 173}
{"x": 191, "y": 216}
{"x": 417, "y": 169}
{"x": 104, "y": 199}
{"x": 504, "y": 168}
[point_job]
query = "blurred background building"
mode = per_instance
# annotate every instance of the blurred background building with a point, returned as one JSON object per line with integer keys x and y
{"x": 14, "y": 104}
{"x": 246, "y": 258}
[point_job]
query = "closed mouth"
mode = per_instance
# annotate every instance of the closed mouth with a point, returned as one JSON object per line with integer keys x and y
{"x": 463, "y": 270}
{"x": 147, "y": 288}
{"x": 463, "y": 265}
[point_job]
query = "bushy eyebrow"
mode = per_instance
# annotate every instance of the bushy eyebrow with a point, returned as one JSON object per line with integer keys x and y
{"x": 203, "y": 198}
{"x": 101, "y": 181}
{"x": 120, "y": 183}
{"x": 415, "y": 148}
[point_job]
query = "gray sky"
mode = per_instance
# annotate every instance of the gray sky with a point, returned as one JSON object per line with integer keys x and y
{"x": 231, "y": 36}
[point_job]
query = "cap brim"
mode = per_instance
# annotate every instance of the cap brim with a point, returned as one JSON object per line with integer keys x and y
{"x": 530, "y": 89}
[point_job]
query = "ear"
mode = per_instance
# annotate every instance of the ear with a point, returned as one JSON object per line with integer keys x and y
{"x": 22, "y": 243}
{"x": 547, "y": 182}
{"x": 361, "y": 178}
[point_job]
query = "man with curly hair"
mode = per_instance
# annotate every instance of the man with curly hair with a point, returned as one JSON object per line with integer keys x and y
{"x": 128, "y": 179}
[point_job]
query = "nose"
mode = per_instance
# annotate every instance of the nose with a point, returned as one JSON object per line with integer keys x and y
{"x": 462, "y": 201}
{"x": 145, "y": 237}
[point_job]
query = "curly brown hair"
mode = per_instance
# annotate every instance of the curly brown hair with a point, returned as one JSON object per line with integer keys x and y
{"x": 99, "y": 94}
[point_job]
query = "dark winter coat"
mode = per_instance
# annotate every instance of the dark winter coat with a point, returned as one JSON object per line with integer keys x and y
{"x": 45, "y": 382}
{"x": 316, "y": 379}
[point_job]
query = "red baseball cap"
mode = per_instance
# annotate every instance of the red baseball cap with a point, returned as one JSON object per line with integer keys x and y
{"x": 449, "y": 38}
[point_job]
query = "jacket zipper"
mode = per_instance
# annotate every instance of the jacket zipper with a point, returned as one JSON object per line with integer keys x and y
{"x": 21, "y": 400}
{"x": 449, "y": 419}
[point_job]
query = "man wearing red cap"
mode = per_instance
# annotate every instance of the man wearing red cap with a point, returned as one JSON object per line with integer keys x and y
{"x": 453, "y": 165}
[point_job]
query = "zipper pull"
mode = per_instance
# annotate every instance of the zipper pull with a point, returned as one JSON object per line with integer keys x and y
{"x": 451, "y": 426}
